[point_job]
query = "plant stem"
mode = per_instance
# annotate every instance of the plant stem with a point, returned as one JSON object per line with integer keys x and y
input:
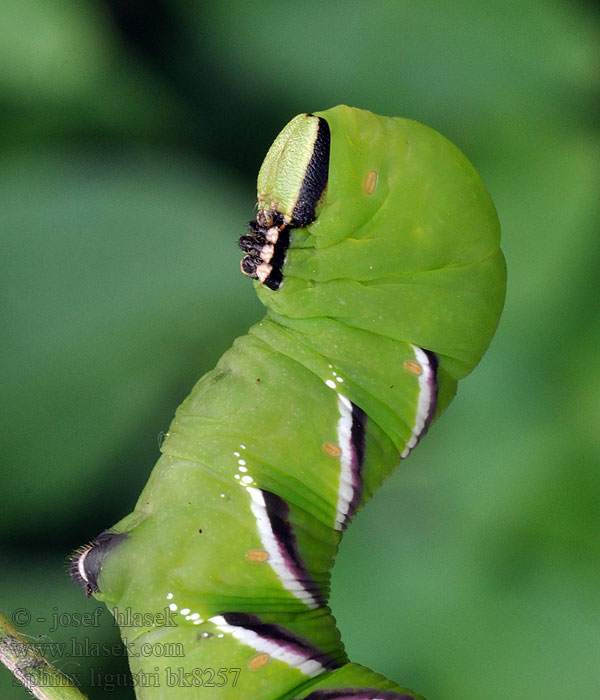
{"x": 31, "y": 668}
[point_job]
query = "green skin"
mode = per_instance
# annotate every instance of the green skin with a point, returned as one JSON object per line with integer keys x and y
{"x": 416, "y": 261}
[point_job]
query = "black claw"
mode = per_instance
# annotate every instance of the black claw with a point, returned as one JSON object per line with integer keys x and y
{"x": 249, "y": 265}
{"x": 252, "y": 244}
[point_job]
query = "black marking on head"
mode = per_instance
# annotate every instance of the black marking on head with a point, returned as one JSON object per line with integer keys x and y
{"x": 357, "y": 694}
{"x": 282, "y": 637}
{"x": 315, "y": 178}
{"x": 86, "y": 562}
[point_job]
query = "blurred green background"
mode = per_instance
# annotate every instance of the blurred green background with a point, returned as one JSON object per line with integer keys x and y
{"x": 130, "y": 138}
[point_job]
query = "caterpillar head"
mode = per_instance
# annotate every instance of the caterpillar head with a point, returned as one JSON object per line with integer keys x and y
{"x": 382, "y": 224}
{"x": 291, "y": 183}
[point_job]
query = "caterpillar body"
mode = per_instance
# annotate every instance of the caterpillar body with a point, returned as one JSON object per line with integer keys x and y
{"x": 376, "y": 252}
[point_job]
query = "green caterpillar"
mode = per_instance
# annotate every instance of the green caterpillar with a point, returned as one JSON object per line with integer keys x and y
{"x": 376, "y": 252}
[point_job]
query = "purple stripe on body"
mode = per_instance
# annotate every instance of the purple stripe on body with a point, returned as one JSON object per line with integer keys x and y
{"x": 282, "y": 637}
{"x": 278, "y": 512}
{"x": 433, "y": 384}
{"x": 351, "y": 439}
{"x": 427, "y": 397}
{"x": 357, "y": 446}
{"x": 357, "y": 694}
